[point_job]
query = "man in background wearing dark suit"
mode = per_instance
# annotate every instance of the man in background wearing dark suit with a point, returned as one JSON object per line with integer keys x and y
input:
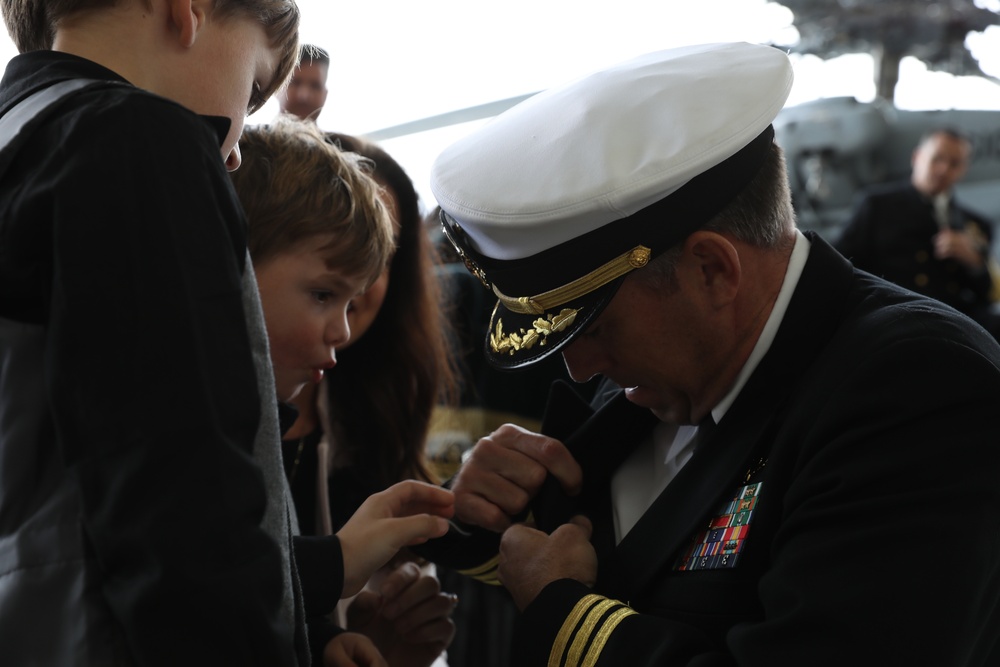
{"x": 917, "y": 235}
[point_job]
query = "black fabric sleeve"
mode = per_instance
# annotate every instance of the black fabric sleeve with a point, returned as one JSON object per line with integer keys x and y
{"x": 321, "y": 630}
{"x": 462, "y": 552}
{"x": 153, "y": 388}
{"x": 320, "y": 562}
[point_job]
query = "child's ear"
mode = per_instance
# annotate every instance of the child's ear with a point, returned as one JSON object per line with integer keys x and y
{"x": 187, "y": 18}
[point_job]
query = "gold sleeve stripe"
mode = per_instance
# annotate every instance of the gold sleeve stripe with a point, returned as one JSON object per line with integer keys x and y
{"x": 486, "y": 573}
{"x": 485, "y": 568}
{"x": 594, "y": 652}
{"x": 568, "y": 626}
{"x": 591, "y": 622}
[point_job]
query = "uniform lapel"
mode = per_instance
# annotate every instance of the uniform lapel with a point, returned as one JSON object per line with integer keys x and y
{"x": 684, "y": 506}
{"x": 565, "y": 411}
{"x": 599, "y": 445}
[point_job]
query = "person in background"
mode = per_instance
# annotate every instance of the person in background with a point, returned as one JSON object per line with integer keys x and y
{"x": 918, "y": 235}
{"x": 316, "y": 253}
{"x": 769, "y": 417}
{"x": 305, "y": 93}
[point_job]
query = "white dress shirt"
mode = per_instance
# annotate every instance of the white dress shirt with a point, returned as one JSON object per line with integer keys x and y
{"x": 658, "y": 459}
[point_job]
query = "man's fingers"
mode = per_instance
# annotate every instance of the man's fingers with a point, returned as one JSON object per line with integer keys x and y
{"x": 508, "y": 467}
{"x": 505, "y": 471}
{"x": 477, "y": 510}
{"x": 551, "y": 454}
{"x": 500, "y": 474}
{"x": 515, "y": 535}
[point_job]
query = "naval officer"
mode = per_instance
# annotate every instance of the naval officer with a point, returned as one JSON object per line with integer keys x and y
{"x": 772, "y": 473}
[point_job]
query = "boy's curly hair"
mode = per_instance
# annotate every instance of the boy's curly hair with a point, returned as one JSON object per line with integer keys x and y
{"x": 295, "y": 185}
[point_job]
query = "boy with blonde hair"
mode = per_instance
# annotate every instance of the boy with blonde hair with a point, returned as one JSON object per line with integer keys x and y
{"x": 136, "y": 528}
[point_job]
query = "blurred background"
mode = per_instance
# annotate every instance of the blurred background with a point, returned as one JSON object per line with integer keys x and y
{"x": 415, "y": 76}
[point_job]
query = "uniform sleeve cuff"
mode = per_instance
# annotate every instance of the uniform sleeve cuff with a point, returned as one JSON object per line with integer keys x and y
{"x": 566, "y": 625}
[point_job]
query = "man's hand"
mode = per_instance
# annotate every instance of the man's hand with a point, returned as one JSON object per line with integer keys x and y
{"x": 530, "y": 559}
{"x": 349, "y": 649}
{"x": 505, "y": 471}
{"x": 407, "y": 616}
{"x": 406, "y": 513}
{"x": 960, "y": 246}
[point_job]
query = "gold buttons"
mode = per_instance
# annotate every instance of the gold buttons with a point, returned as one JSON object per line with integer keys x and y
{"x": 639, "y": 257}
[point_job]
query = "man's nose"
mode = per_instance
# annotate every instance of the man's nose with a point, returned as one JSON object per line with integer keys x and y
{"x": 581, "y": 360}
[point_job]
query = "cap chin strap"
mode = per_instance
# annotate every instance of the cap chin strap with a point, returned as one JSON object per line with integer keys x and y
{"x": 628, "y": 261}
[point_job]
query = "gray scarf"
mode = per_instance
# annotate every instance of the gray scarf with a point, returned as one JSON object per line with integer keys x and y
{"x": 279, "y": 521}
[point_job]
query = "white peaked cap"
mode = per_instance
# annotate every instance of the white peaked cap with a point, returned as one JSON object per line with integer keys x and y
{"x": 541, "y": 195}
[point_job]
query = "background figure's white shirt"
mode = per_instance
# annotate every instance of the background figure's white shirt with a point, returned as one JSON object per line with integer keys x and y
{"x": 941, "y": 209}
{"x": 658, "y": 459}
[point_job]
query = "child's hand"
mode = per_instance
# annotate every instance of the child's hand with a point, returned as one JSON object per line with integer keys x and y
{"x": 407, "y": 616}
{"x": 350, "y": 649}
{"x": 406, "y": 513}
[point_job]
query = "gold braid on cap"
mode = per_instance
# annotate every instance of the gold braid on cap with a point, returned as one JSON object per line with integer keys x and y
{"x": 635, "y": 258}
{"x": 510, "y": 343}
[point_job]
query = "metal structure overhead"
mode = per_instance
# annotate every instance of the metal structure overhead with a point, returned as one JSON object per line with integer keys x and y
{"x": 934, "y": 31}
{"x": 466, "y": 115}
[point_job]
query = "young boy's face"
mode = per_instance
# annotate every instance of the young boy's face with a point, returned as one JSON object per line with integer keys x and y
{"x": 238, "y": 61}
{"x": 305, "y": 309}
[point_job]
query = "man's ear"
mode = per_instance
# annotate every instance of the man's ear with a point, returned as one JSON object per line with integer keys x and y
{"x": 187, "y": 18}
{"x": 718, "y": 264}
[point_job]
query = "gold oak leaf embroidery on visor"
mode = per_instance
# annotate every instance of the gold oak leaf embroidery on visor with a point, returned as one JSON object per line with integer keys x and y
{"x": 525, "y": 339}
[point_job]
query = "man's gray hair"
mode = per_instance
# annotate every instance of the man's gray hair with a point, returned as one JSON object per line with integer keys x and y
{"x": 761, "y": 216}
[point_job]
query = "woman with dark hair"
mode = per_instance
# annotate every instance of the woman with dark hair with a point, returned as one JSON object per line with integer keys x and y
{"x": 365, "y": 427}
{"x": 398, "y": 364}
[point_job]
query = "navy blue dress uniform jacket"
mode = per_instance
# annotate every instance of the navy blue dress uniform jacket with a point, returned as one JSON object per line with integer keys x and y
{"x": 844, "y": 511}
{"x": 891, "y": 235}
